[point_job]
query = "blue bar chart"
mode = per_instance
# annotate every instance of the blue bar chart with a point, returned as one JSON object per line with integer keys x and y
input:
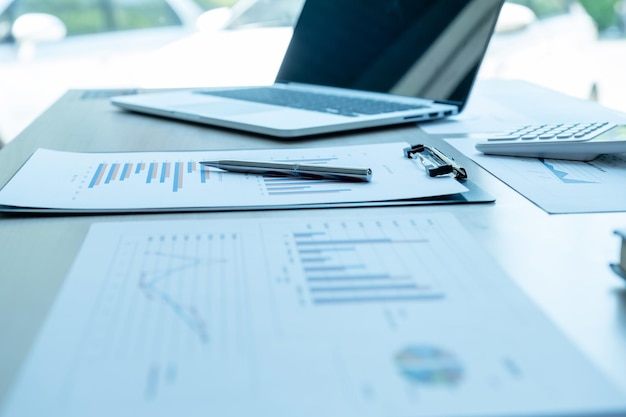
{"x": 175, "y": 174}
{"x": 166, "y": 172}
{"x": 363, "y": 266}
{"x": 283, "y": 186}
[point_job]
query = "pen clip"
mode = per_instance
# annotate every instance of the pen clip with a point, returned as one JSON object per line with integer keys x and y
{"x": 435, "y": 162}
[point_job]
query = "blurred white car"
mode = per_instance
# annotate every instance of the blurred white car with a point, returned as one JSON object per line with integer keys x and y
{"x": 552, "y": 43}
{"x": 239, "y": 45}
{"x": 47, "y": 47}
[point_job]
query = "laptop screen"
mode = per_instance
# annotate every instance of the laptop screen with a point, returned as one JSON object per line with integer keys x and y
{"x": 421, "y": 48}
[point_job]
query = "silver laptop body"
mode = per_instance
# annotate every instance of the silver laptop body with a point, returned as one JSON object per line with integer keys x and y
{"x": 351, "y": 64}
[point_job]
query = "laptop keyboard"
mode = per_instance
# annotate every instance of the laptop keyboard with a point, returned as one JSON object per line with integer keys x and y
{"x": 321, "y": 102}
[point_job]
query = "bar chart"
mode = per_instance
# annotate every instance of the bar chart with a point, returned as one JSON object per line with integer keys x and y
{"x": 282, "y": 186}
{"x": 176, "y": 174}
{"x": 359, "y": 263}
{"x": 149, "y": 172}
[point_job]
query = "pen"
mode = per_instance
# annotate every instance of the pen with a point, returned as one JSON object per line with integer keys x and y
{"x": 294, "y": 170}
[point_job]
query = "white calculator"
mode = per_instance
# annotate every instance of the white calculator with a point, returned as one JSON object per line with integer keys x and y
{"x": 573, "y": 141}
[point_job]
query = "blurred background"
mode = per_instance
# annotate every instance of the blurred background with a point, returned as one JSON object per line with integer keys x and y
{"x": 577, "y": 47}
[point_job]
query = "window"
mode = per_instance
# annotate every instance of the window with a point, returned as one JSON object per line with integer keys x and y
{"x": 94, "y": 16}
{"x": 545, "y": 8}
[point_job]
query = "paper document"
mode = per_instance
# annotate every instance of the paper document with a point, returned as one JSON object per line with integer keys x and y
{"x": 491, "y": 109}
{"x": 332, "y": 317}
{"x": 558, "y": 186}
{"x": 176, "y": 180}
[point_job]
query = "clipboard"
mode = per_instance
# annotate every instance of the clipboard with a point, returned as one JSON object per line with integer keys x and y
{"x": 436, "y": 164}
{"x": 169, "y": 182}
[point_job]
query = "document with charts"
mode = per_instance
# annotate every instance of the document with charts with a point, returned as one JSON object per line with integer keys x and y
{"x": 558, "y": 186}
{"x": 324, "y": 316}
{"x": 131, "y": 181}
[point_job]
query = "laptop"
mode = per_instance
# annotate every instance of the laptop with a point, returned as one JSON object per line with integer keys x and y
{"x": 351, "y": 64}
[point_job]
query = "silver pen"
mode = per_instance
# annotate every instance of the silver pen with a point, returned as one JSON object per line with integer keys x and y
{"x": 294, "y": 170}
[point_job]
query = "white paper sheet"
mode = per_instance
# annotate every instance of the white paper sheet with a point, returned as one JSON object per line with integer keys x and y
{"x": 558, "y": 186}
{"x": 504, "y": 105}
{"x": 162, "y": 180}
{"x": 392, "y": 316}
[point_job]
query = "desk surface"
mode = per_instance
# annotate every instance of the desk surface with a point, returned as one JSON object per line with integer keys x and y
{"x": 560, "y": 261}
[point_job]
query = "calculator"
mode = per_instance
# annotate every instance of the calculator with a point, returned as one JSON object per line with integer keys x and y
{"x": 573, "y": 141}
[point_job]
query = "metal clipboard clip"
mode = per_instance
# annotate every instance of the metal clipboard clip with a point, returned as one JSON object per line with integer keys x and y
{"x": 435, "y": 162}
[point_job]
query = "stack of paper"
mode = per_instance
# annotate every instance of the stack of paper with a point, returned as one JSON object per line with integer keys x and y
{"x": 144, "y": 181}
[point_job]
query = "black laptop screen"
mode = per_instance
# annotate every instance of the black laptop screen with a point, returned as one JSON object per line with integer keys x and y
{"x": 422, "y": 48}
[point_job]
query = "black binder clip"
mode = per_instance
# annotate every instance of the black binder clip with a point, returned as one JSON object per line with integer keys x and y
{"x": 435, "y": 162}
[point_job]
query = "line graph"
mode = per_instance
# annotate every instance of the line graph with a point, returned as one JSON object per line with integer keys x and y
{"x": 173, "y": 284}
{"x": 153, "y": 285}
{"x": 565, "y": 172}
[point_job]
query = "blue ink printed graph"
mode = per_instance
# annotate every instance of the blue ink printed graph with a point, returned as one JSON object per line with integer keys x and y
{"x": 363, "y": 267}
{"x": 150, "y": 172}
